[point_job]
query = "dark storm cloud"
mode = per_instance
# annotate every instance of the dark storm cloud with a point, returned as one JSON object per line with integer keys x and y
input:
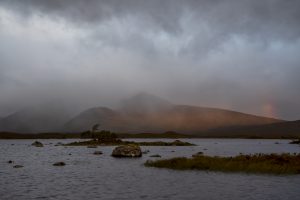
{"x": 240, "y": 55}
{"x": 266, "y": 19}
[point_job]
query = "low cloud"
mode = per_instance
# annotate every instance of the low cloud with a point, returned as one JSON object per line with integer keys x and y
{"x": 239, "y": 55}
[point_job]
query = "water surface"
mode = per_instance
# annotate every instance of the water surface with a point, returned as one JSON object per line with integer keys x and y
{"x": 88, "y": 176}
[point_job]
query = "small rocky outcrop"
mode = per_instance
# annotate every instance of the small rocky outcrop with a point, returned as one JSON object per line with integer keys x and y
{"x": 98, "y": 153}
{"x": 37, "y": 144}
{"x": 18, "y": 166}
{"x": 59, "y": 164}
{"x": 127, "y": 151}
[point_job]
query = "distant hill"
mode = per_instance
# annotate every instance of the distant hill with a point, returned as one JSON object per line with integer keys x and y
{"x": 148, "y": 113}
{"x": 106, "y": 117}
{"x": 34, "y": 120}
{"x": 145, "y": 113}
{"x": 290, "y": 129}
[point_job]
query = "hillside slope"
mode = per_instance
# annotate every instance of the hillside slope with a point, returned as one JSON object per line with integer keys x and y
{"x": 147, "y": 113}
{"x": 34, "y": 120}
{"x": 290, "y": 129}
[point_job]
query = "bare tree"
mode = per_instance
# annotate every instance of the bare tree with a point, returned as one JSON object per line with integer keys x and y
{"x": 95, "y": 127}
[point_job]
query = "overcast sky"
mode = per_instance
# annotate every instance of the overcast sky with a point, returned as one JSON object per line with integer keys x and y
{"x": 238, "y": 55}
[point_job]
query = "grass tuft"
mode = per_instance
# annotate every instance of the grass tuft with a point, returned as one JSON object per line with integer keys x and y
{"x": 257, "y": 163}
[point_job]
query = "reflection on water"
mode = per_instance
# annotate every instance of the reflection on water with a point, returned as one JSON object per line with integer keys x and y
{"x": 88, "y": 176}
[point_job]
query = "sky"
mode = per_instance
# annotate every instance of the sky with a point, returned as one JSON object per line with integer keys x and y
{"x": 239, "y": 55}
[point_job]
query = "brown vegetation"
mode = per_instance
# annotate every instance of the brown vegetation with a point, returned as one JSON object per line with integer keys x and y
{"x": 257, "y": 163}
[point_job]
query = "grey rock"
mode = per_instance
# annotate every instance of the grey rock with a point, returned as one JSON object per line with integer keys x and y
{"x": 146, "y": 151}
{"x": 18, "y": 166}
{"x": 58, "y": 144}
{"x": 59, "y": 164}
{"x": 98, "y": 153}
{"x": 156, "y": 156}
{"x": 127, "y": 151}
{"x": 37, "y": 144}
{"x": 200, "y": 153}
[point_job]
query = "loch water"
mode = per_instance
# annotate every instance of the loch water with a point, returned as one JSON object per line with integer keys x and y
{"x": 88, "y": 176}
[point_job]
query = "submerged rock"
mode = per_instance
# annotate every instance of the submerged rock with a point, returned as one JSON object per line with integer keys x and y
{"x": 200, "y": 153}
{"x": 98, "y": 153}
{"x": 92, "y": 146}
{"x": 295, "y": 141}
{"x": 156, "y": 156}
{"x": 59, "y": 164}
{"x": 146, "y": 151}
{"x": 18, "y": 166}
{"x": 58, "y": 144}
{"x": 37, "y": 144}
{"x": 127, "y": 151}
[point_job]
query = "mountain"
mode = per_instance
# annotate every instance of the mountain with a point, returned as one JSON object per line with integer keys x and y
{"x": 290, "y": 129}
{"x": 35, "y": 119}
{"x": 143, "y": 113}
{"x": 107, "y": 119}
{"x": 144, "y": 103}
{"x": 148, "y": 113}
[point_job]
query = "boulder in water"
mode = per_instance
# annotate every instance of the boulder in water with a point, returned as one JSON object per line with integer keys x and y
{"x": 18, "y": 166}
{"x": 59, "y": 164}
{"x": 37, "y": 144}
{"x": 200, "y": 153}
{"x": 59, "y": 144}
{"x": 156, "y": 156}
{"x": 98, "y": 153}
{"x": 127, "y": 151}
{"x": 146, "y": 151}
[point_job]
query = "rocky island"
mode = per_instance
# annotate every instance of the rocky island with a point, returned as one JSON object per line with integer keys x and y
{"x": 106, "y": 138}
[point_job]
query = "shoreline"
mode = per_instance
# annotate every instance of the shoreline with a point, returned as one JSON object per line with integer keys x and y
{"x": 14, "y": 136}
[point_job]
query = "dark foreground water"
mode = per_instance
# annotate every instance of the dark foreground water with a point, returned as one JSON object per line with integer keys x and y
{"x": 87, "y": 176}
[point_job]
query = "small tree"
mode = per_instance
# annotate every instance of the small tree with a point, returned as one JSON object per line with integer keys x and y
{"x": 95, "y": 128}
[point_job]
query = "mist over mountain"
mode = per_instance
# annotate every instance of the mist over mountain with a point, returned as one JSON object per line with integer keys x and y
{"x": 148, "y": 113}
{"x": 144, "y": 103}
{"x": 45, "y": 118}
{"x": 236, "y": 55}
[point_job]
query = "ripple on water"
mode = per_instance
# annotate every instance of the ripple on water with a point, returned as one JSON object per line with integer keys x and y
{"x": 86, "y": 176}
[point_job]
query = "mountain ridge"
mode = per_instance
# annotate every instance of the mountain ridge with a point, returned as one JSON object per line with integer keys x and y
{"x": 148, "y": 113}
{"x": 141, "y": 113}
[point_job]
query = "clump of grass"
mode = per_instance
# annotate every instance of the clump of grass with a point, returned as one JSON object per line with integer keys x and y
{"x": 257, "y": 163}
